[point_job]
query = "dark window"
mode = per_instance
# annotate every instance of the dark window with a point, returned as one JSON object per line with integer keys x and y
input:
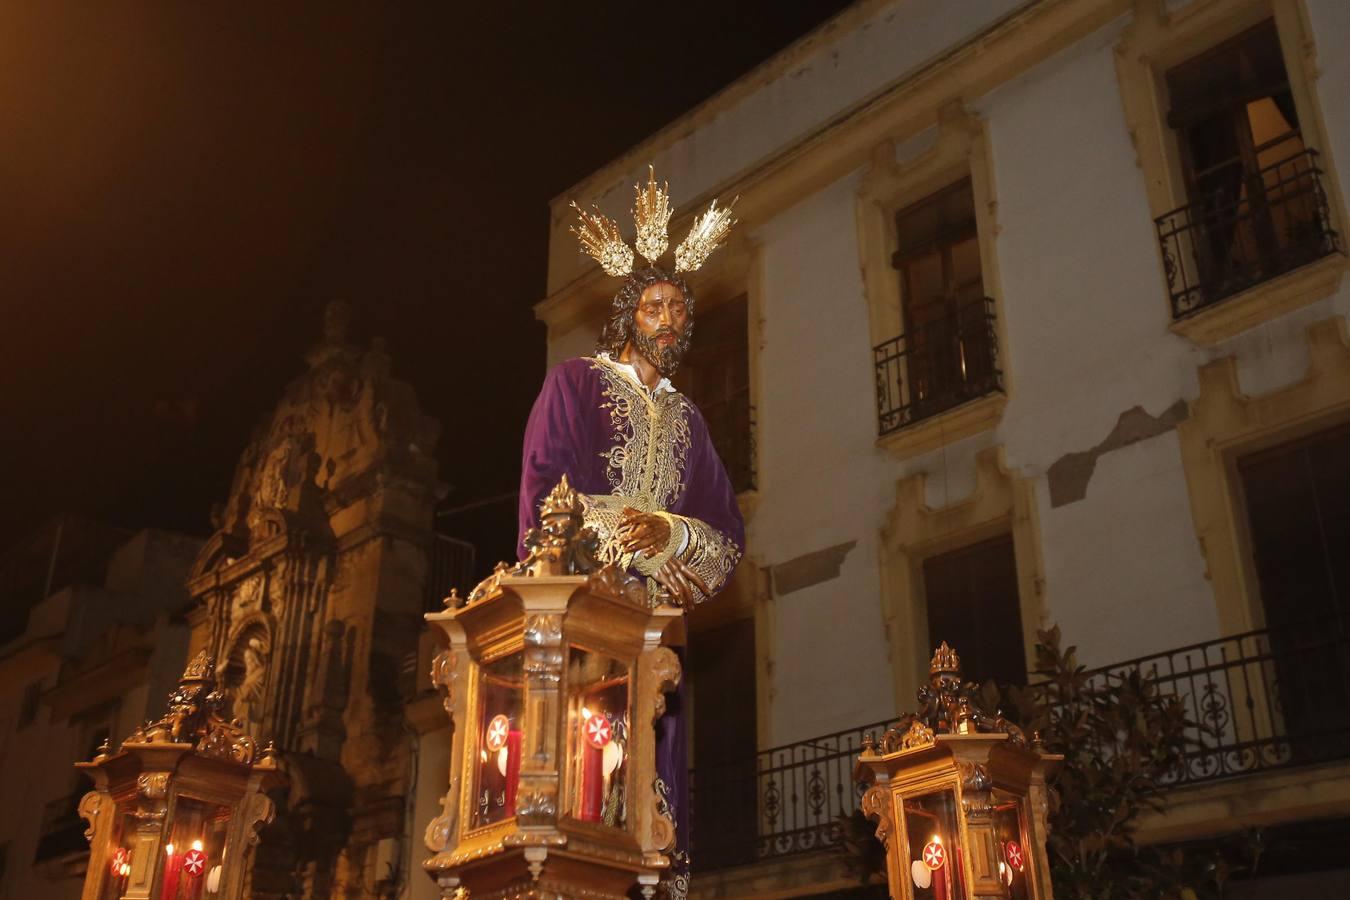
{"x": 946, "y": 354}
{"x": 1256, "y": 206}
{"x": 1298, "y": 506}
{"x": 973, "y": 605}
{"x": 1298, "y": 509}
{"x": 716, "y": 376}
{"x": 28, "y": 708}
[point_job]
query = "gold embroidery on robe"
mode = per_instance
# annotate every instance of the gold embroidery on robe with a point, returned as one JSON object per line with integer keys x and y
{"x": 646, "y": 470}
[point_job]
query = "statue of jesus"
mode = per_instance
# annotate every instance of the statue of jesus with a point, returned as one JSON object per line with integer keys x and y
{"x": 636, "y": 450}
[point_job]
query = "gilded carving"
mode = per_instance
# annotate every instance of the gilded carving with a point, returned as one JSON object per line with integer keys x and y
{"x": 543, "y": 653}
{"x": 616, "y": 584}
{"x": 663, "y": 823}
{"x": 195, "y": 716}
{"x": 974, "y": 776}
{"x": 258, "y": 814}
{"x": 661, "y": 673}
{"x": 875, "y": 806}
{"x": 559, "y": 545}
{"x": 917, "y": 734}
{"x": 950, "y": 706}
{"x": 152, "y": 785}
{"x": 543, "y": 631}
{"x": 88, "y": 809}
{"x": 440, "y": 829}
{"x": 538, "y": 807}
{"x": 444, "y": 674}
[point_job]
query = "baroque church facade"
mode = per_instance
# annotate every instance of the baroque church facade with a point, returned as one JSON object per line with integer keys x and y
{"x": 310, "y": 594}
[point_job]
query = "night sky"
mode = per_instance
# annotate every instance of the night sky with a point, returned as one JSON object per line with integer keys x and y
{"x": 186, "y": 185}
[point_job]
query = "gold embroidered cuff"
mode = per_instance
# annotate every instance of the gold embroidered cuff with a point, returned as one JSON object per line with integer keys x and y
{"x": 679, "y": 538}
{"x": 708, "y": 553}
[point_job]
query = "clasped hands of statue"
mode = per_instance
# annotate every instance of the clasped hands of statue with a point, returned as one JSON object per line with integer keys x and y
{"x": 648, "y": 534}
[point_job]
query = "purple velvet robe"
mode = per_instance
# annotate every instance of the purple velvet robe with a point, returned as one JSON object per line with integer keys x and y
{"x": 622, "y": 445}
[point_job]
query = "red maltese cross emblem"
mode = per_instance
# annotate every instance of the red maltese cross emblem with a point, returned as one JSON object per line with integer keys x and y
{"x": 597, "y": 731}
{"x": 193, "y": 862}
{"x": 1014, "y": 853}
{"x": 497, "y": 730}
{"x": 933, "y": 855}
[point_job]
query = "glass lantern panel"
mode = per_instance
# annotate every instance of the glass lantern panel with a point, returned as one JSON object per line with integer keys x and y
{"x": 597, "y": 745}
{"x": 119, "y": 857}
{"x": 195, "y": 850}
{"x": 500, "y": 719}
{"x": 935, "y": 865}
{"x": 1014, "y": 859}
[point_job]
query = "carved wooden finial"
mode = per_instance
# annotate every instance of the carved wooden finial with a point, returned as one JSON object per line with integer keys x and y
{"x": 945, "y": 660}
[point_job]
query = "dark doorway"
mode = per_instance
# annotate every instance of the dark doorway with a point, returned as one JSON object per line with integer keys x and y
{"x": 1298, "y": 512}
{"x": 725, "y": 807}
{"x": 973, "y": 605}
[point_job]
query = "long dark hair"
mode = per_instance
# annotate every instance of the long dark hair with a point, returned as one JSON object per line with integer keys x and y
{"x": 618, "y": 331}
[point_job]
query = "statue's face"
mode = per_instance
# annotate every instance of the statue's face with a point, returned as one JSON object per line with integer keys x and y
{"x": 662, "y": 320}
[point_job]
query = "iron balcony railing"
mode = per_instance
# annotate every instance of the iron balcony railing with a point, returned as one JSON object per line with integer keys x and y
{"x": 1261, "y": 700}
{"x": 1258, "y": 701}
{"x": 783, "y": 801}
{"x": 949, "y": 359}
{"x": 449, "y": 565}
{"x": 1245, "y": 232}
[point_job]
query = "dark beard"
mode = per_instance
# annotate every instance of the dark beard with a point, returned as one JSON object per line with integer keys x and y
{"x": 665, "y": 359}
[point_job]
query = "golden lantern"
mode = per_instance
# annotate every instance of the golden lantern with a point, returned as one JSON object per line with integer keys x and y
{"x": 959, "y": 797}
{"x": 174, "y": 814}
{"x": 554, "y": 680}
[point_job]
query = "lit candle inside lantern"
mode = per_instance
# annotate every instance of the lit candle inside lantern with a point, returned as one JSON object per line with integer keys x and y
{"x": 172, "y": 863}
{"x": 941, "y": 886}
{"x": 595, "y": 736}
{"x": 512, "y": 770}
{"x": 592, "y": 783}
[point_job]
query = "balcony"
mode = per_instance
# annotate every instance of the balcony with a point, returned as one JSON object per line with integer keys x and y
{"x": 1236, "y": 237}
{"x": 782, "y": 802}
{"x": 1268, "y": 701}
{"x": 949, "y": 359}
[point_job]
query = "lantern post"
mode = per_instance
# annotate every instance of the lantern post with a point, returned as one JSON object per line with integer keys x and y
{"x": 175, "y": 812}
{"x": 959, "y": 797}
{"x": 554, "y": 676}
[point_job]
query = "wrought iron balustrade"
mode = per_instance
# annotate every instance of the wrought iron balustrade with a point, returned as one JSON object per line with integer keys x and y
{"x": 940, "y": 364}
{"x": 783, "y": 801}
{"x": 1249, "y": 231}
{"x": 449, "y": 565}
{"x": 1259, "y": 701}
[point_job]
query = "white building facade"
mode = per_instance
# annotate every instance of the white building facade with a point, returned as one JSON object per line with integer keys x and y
{"x": 1045, "y": 323}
